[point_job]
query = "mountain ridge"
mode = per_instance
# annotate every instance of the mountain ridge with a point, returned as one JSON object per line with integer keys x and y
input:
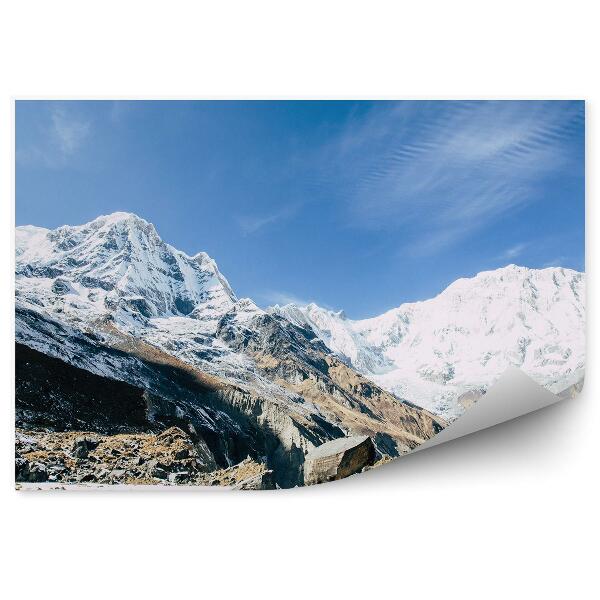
{"x": 512, "y": 316}
{"x": 113, "y": 298}
{"x": 429, "y": 352}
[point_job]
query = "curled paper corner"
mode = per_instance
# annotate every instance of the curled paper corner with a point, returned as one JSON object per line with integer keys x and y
{"x": 513, "y": 395}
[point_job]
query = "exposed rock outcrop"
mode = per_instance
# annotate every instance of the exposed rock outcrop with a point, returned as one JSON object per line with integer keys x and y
{"x": 296, "y": 360}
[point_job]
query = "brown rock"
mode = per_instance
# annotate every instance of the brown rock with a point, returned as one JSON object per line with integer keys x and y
{"x": 338, "y": 458}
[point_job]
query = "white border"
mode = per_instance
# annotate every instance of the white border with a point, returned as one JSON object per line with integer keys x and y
{"x": 506, "y": 513}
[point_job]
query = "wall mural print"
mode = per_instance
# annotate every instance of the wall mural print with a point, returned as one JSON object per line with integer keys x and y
{"x": 271, "y": 294}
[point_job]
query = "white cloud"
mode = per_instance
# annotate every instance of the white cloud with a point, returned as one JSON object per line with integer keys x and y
{"x": 443, "y": 171}
{"x": 513, "y": 252}
{"x": 250, "y": 224}
{"x": 57, "y": 140}
{"x": 69, "y": 132}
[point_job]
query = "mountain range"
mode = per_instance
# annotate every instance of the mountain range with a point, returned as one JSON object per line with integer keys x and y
{"x": 435, "y": 351}
{"x": 120, "y": 334}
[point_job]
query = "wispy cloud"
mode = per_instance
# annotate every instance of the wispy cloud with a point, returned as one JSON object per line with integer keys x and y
{"x": 250, "y": 224}
{"x": 57, "y": 140}
{"x": 513, "y": 252}
{"x": 68, "y": 131}
{"x": 444, "y": 170}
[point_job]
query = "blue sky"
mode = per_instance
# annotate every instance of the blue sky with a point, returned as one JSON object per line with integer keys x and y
{"x": 350, "y": 204}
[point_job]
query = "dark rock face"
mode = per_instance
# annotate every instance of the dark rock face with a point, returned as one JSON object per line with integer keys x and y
{"x": 338, "y": 459}
{"x": 95, "y": 282}
{"x": 278, "y": 337}
{"x": 31, "y": 472}
{"x": 61, "y": 287}
{"x": 184, "y": 305}
{"x": 138, "y": 306}
{"x": 52, "y": 393}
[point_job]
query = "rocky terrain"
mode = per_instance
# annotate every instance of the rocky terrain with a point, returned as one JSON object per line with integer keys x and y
{"x": 119, "y": 334}
{"x": 167, "y": 458}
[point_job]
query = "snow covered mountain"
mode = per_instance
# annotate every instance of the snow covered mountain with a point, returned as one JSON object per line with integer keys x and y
{"x": 116, "y": 271}
{"x": 111, "y": 298}
{"x": 437, "y": 353}
{"x": 118, "y": 263}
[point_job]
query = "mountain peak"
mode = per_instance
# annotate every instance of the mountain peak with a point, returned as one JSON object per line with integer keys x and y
{"x": 118, "y": 217}
{"x": 466, "y": 336}
{"x": 122, "y": 220}
{"x": 510, "y": 275}
{"x": 118, "y": 263}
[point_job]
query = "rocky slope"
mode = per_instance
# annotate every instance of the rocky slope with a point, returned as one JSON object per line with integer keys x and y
{"x": 438, "y": 351}
{"x": 119, "y": 334}
{"x": 90, "y": 458}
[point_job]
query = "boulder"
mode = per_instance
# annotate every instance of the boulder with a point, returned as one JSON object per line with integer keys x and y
{"x": 37, "y": 472}
{"x": 21, "y": 469}
{"x": 338, "y": 458}
{"x": 159, "y": 472}
{"x": 83, "y": 446}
